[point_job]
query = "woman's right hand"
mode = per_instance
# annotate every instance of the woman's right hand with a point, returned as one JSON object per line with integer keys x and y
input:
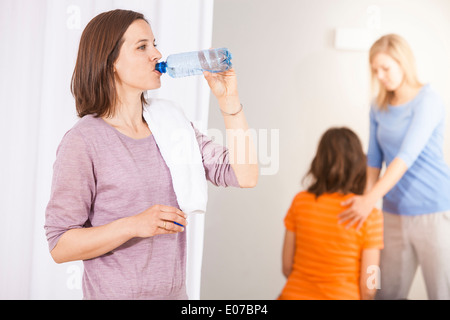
{"x": 158, "y": 219}
{"x": 359, "y": 209}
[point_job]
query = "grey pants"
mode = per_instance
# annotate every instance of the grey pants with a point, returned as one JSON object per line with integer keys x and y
{"x": 410, "y": 241}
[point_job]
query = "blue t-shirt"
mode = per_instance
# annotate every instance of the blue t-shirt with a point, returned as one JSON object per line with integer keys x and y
{"x": 413, "y": 132}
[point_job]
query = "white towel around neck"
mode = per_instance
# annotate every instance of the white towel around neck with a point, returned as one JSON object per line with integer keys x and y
{"x": 179, "y": 148}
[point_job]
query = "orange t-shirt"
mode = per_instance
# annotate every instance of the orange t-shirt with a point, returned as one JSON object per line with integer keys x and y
{"x": 327, "y": 255}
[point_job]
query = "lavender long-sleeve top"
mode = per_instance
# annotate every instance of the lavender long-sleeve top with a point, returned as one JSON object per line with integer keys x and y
{"x": 101, "y": 175}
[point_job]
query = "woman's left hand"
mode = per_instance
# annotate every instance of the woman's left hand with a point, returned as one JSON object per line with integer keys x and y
{"x": 223, "y": 85}
{"x": 357, "y": 213}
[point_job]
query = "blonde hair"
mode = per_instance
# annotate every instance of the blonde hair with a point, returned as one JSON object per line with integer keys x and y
{"x": 399, "y": 50}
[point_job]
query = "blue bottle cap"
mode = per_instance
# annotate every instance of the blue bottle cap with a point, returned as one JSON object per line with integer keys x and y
{"x": 228, "y": 57}
{"x": 161, "y": 67}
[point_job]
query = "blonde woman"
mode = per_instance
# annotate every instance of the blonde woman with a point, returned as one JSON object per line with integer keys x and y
{"x": 407, "y": 133}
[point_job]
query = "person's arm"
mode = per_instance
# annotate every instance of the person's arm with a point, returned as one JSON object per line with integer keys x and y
{"x": 361, "y": 206}
{"x": 370, "y": 259}
{"x": 372, "y": 177}
{"x": 374, "y": 164}
{"x": 288, "y": 253}
{"x": 242, "y": 151}
{"x": 393, "y": 174}
{"x": 426, "y": 116}
{"x": 88, "y": 243}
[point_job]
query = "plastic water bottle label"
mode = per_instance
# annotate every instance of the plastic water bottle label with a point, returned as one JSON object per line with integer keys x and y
{"x": 194, "y": 63}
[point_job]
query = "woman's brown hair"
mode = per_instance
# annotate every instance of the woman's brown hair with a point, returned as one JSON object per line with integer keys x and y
{"x": 339, "y": 164}
{"x": 93, "y": 85}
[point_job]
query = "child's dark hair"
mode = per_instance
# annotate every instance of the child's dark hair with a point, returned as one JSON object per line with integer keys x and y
{"x": 339, "y": 165}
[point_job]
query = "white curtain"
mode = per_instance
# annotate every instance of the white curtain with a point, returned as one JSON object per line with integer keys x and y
{"x": 39, "y": 42}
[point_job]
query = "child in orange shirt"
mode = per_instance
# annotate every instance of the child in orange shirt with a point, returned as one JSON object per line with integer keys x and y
{"x": 323, "y": 259}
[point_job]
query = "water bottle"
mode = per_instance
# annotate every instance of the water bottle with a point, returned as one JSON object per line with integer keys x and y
{"x": 194, "y": 63}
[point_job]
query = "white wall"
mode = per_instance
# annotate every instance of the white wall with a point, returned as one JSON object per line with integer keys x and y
{"x": 292, "y": 79}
